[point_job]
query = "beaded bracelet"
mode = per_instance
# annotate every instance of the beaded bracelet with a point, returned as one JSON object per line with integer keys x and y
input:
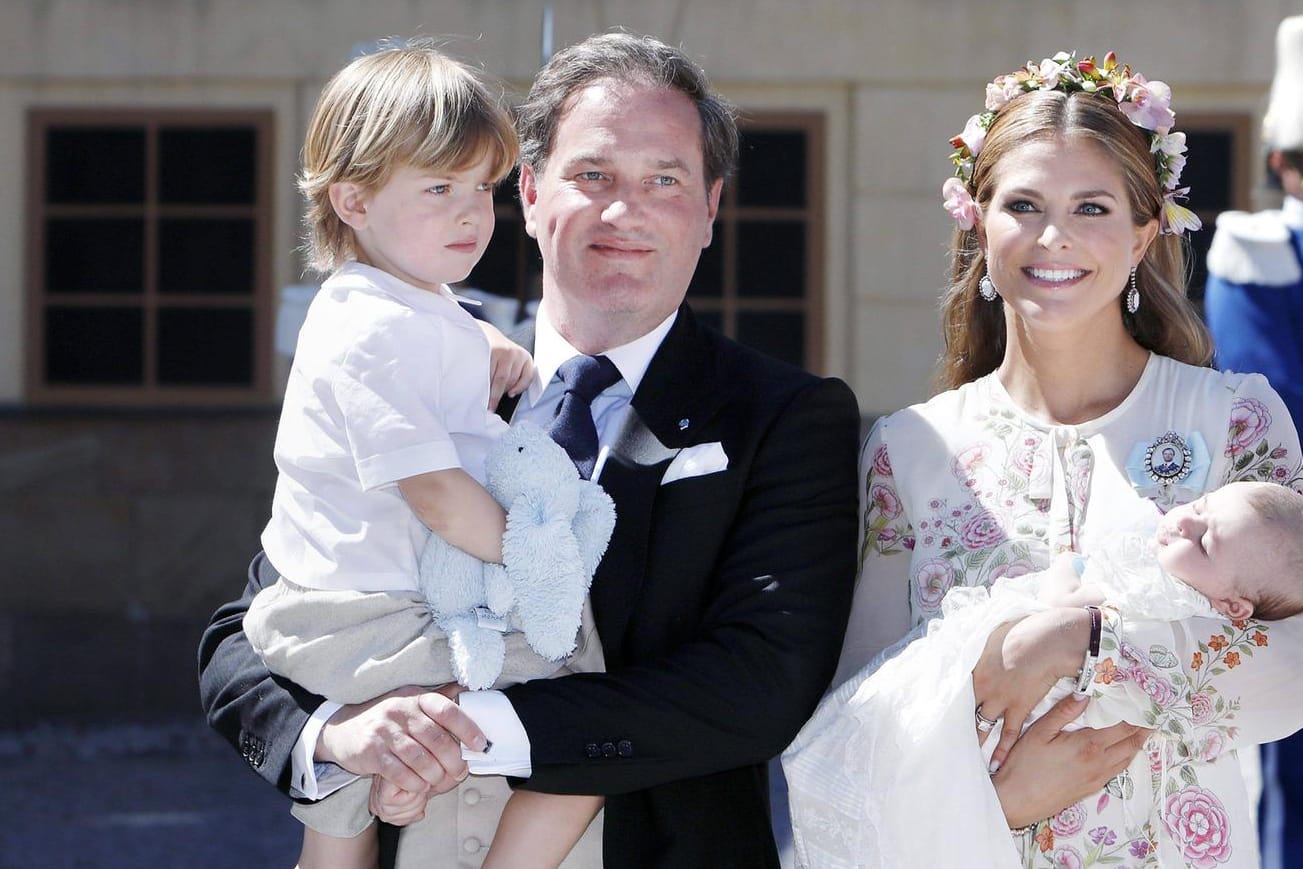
{"x": 1087, "y": 673}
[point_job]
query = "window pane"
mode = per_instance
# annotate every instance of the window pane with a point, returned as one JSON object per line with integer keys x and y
{"x": 708, "y": 280}
{"x": 90, "y": 255}
{"x": 771, "y": 259}
{"x": 496, "y": 270}
{"x": 1208, "y": 172}
{"x": 507, "y": 192}
{"x": 198, "y": 256}
{"x": 778, "y": 334}
{"x": 208, "y": 347}
{"x": 99, "y": 346}
{"x": 94, "y": 165}
{"x": 209, "y": 165}
{"x": 771, "y": 169}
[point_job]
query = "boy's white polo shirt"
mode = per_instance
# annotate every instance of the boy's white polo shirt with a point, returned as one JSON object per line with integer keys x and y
{"x": 388, "y": 381}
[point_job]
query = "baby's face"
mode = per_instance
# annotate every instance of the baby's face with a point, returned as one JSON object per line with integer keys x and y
{"x": 1211, "y": 542}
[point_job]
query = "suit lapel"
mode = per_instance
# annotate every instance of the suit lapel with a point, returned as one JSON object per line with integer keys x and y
{"x": 678, "y": 395}
{"x": 631, "y": 475}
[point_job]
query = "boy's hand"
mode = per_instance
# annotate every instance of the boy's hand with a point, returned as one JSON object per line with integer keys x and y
{"x": 510, "y": 365}
{"x": 393, "y": 805}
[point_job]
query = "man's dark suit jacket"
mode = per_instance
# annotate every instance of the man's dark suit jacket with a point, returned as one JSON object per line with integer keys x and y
{"x": 721, "y": 605}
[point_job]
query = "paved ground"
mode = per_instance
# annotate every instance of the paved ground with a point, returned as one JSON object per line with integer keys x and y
{"x": 157, "y": 797}
{"x": 131, "y": 797}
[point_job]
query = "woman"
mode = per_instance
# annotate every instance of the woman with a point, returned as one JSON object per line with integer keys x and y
{"x": 1072, "y": 362}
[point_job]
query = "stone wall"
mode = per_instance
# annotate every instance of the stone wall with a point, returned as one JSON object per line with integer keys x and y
{"x": 119, "y": 535}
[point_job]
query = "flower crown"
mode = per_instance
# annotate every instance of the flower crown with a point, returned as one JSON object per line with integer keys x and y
{"x": 1147, "y": 104}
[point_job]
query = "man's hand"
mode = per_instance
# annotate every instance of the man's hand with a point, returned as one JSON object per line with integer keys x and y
{"x": 411, "y": 737}
{"x": 510, "y": 365}
{"x": 1021, "y": 661}
{"x": 1049, "y": 770}
{"x": 393, "y": 805}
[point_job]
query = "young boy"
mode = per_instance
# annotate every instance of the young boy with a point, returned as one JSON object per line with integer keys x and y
{"x": 386, "y": 418}
{"x": 905, "y": 722}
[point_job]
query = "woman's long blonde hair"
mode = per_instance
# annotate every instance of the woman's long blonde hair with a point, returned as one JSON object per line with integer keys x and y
{"x": 973, "y": 329}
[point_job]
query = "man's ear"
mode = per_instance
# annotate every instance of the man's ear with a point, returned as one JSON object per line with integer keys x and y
{"x": 528, "y": 197}
{"x": 349, "y": 201}
{"x": 712, "y": 209}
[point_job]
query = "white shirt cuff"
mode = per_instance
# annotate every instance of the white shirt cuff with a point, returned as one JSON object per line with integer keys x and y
{"x": 310, "y": 780}
{"x": 497, "y": 718}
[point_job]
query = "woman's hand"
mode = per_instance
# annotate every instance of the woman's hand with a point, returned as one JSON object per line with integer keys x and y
{"x": 1021, "y": 661}
{"x": 1081, "y": 761}
{"x": 510, "y": 365}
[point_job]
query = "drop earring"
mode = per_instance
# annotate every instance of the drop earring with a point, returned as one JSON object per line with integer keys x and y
{"x": 986, "y": 288}
{"x": 1133, "y": 295}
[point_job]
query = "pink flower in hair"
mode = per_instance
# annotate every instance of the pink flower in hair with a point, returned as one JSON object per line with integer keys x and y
{"x": 1000, "y": 91}
{"x": 974, "y": 135}
{"x": 1048, "y": 71}
{"x": 1149, "y": 106}
{"x": 960, "y": 203}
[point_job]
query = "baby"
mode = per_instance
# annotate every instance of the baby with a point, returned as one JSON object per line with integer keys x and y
{"x": 1239, "y": 549}
{"x": 1235, "y": 553}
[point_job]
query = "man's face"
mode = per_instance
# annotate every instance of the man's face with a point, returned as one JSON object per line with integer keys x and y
{"x": 621, "y": 211}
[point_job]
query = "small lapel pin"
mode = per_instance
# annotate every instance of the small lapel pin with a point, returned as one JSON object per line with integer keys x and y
{"x": 683, "y": 424}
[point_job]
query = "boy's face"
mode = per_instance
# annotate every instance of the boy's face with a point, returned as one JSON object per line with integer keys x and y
{"x": 423, "y": 226}
{"x": 1217, "y": 546}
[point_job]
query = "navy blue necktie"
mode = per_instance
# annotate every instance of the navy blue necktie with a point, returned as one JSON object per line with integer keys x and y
{"x": 573, "y": 428}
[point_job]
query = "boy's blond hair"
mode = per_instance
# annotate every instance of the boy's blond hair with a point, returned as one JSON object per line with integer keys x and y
{"x": 409, "y": 105}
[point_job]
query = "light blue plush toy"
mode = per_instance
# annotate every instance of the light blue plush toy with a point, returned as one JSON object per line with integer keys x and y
{"x": 558, "y": 525}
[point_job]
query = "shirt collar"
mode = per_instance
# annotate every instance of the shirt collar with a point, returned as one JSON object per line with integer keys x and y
{"x": 551, "y": 350}
{"x": 396, "y": 287}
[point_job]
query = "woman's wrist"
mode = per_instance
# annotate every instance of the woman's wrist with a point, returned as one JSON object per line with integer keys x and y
{"x": 1074, "y": 640}
{"x": 1086, "y": 675}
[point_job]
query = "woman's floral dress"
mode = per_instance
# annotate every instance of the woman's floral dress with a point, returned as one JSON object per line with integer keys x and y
{"x": 967, "y": 489}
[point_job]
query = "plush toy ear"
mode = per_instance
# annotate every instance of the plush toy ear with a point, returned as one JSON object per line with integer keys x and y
{"x": 594, "y": 523}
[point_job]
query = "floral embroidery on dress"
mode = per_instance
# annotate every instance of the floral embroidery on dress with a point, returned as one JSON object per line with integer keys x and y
{"x": 1196, "y": 820}
{"x": 1252, "y": 457}
{"x": 1194, "y": 725}
{"x": 885, "y": 528}
{"x": 1104, "y": 847}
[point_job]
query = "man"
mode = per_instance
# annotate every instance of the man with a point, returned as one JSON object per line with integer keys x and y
{"x": 723, "y": 597}
{"x": 1254, "y": 306}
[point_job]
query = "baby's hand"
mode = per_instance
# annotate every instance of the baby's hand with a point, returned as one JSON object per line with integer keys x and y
{"x": 510, "y": 365}
{"x": 1060, "y": 584}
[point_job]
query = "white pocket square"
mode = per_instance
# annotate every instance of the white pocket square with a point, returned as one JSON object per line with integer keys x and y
{"x": 696, "y": 461}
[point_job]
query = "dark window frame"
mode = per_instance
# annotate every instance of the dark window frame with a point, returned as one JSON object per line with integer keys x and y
{"x": 1239, "y": 126}
{"x": 150, "y": 300}
{"x": 730, "y": 303}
